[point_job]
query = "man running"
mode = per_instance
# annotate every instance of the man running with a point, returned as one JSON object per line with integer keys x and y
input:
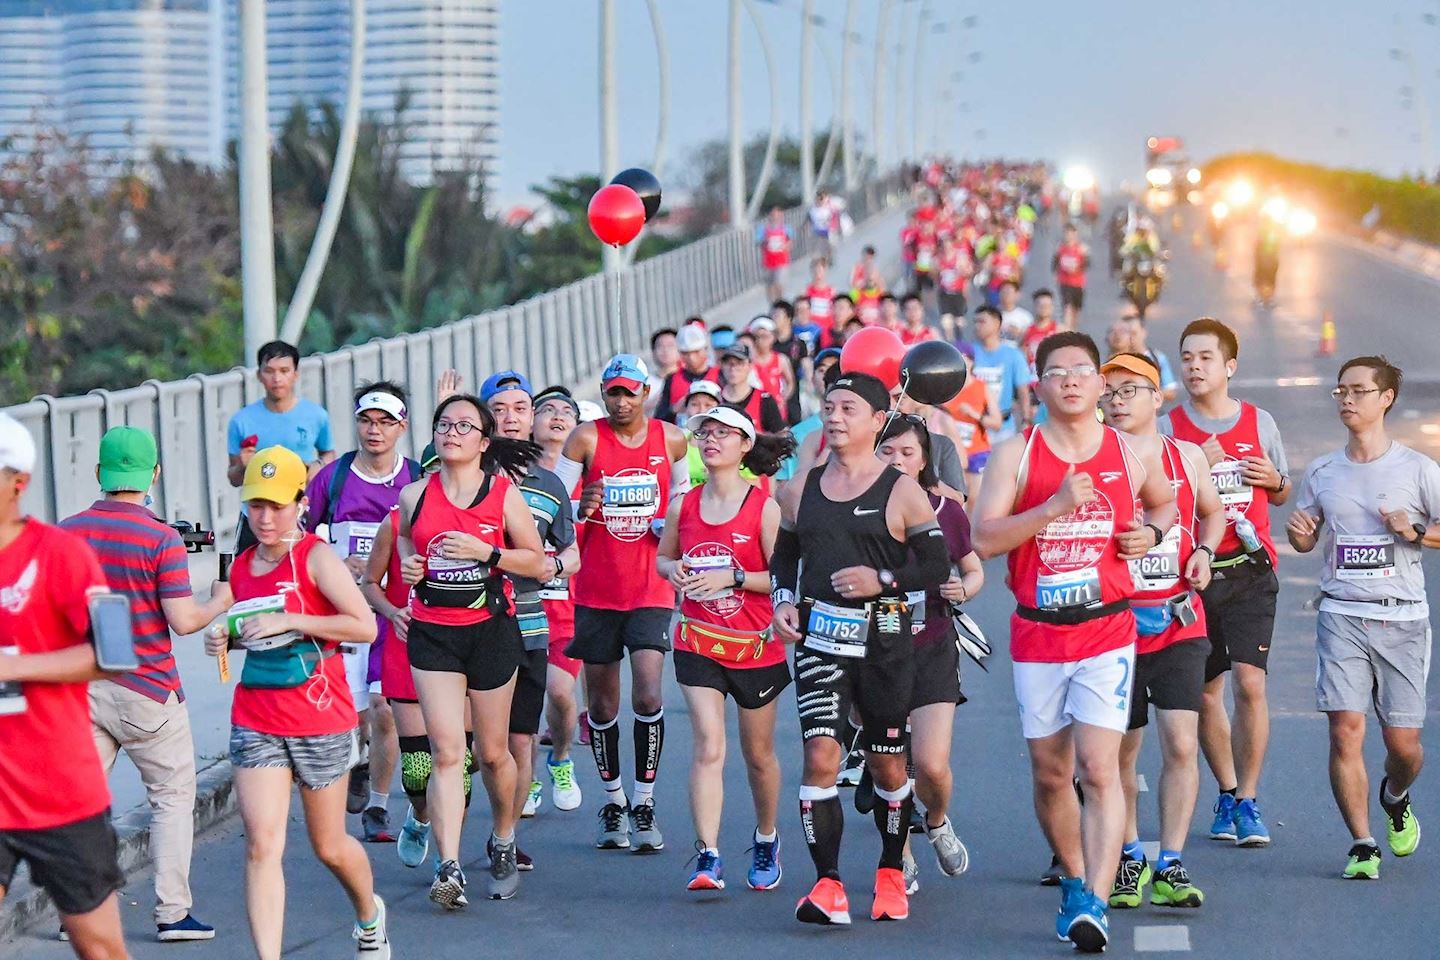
{"x": 1062, "y": 500}
{"x": 1006, "y": 374}
{"x": 632, "y": 467}
{"x": 1170, "y": 647}
{"x": 1371, "y": 506}
{"x": 737, "y": 390}
{"x": 1070, "y": 263}
{"x": 855, "y": 537}
{"x": 1248, "y": 466}
{"x": 694, "y": 348}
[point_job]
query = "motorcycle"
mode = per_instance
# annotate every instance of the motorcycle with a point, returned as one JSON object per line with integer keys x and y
{"x": 1143, "y": 278}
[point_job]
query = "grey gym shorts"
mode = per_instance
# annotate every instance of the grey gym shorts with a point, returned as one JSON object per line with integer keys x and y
{"x": 1381, "y": 663}
{"x": 315, "y": 762}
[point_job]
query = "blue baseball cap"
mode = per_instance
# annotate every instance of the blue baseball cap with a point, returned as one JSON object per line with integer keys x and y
{"x": 502, "y": 381}
{"x": 625, "y": 370}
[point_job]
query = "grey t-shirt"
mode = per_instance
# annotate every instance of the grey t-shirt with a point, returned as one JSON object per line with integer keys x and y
{"x": 1270, "y": 441}
{"x": 1363, "y": 560}
{"x": 946, "y": 461}
{"x": 549, "y": 504}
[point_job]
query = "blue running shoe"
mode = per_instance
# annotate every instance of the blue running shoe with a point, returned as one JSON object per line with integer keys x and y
{"x": 414, "y": 840}
{"x": 1072, "y": 895}
{"x": 1090, "y": 928}
{"x": 764, "y": 865}
{"x": 1249, "y": 828}
{"x": 1223, "y": 827}
{"x": 709, "y": 872}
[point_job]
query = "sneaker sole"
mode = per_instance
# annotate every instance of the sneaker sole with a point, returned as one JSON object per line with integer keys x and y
{"x": 504, "y": 894}
{"x": 641, "y": 849}
{"x": 448, "y": 897}
{"x": 1188, "y": 902}
{"x": 1252, "y": 842}
{"x": 705, "y": 883}
{"x": 884, "y": 917}
{"x": 567, "y": 807}
{"x": 380, "y": 838}
{"x": 1222, "y": 836}
{"x": 1359, "y": 876}
{"x": 1412, "y": 849}
{"x": 1087, "y": 936}
{"x": 808, "y": 912}
{"x": 1125, "y": 902}
{"x": 179, "y": 936}
{"x": 612, "y": 845}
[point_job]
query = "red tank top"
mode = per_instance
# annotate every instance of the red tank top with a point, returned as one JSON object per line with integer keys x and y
{"x": 1160, "y": 574}
{"x": 770, "y": 380}
{"x": 322, "y": 704}
{"x": 1073, "y": 562}
{"x": 732, "y": 545}
{"x": 955, "y": 270}
{"x": 397, "y": 591}
{"x": 559, "y": 607}
{"x": 617, "y": 547}
{"x": 455, "y": 591}
{"x": 822, "y": 304}
{"x": 1240, "y": 499}
{"x": 680, "y": 385}
{"x": 776, "y": 247}
{"x": 1070, "y": 265}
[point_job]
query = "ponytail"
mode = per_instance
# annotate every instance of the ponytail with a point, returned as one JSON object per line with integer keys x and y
{"x": 514, "y": 457}
{"x": 769, "y": 451}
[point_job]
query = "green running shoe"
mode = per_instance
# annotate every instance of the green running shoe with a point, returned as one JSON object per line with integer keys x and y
{"x": 1174, "y": 889}
{"x": 1364, "y": 863}
{"x": 1130, "y": 880}
{"x": 1401, "y": 827}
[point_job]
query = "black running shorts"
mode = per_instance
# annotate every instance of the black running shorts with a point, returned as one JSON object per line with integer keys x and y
{"x": 529, "y": 699}
{"x": 76, "y": 864}
{"x": 1240, "y": 615}
{"x": 1172, "y": 678}
{"x": 827, "y": 686}
{"x": 603, "y": 636}
{"x": 487, "y": 653}
{"x": 751, "y": 687}
{"x": 937, "y": 672}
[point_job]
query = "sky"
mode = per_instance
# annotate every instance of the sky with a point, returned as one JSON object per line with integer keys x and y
{"x": 1073, "y": 83}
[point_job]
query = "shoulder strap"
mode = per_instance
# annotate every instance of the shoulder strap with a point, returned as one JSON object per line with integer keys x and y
{"x": 337, "y": 484}
{"x": 416, "y": 471}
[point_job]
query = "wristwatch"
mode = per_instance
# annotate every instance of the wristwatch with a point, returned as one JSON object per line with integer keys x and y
{"x": 494, "y": 557}
{"x": 739, "y": 579}
{"x": 1420, "y": 531}
{"x": 886, "y": 578}
{"x": 1206, "y": 548}
{"x": 1159, "y": 534}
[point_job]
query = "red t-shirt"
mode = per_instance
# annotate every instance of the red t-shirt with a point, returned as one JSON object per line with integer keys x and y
{"x": 50, "y": 773}
{"x": 1070, "y": 262}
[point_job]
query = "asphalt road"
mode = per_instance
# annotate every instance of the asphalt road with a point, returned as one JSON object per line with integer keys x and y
{"x": 1284, "y": 901}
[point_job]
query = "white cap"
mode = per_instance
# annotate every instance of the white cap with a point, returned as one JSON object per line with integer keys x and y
{"x": 383, "y": 401}
{"x": 691, "y": 337}
{"x": 762, "y": 322}
{"x": 590, "y": 410}
{"x": 17, "y": 447}
{"x": 708, "y": 387}
{"x": 726, "y": 415}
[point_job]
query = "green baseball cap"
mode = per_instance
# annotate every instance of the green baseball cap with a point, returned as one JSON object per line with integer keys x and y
{"x": 127, "y": 460}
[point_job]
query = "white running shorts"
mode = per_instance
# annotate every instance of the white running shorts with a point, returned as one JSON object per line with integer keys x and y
{"x": 1095, "y": 690}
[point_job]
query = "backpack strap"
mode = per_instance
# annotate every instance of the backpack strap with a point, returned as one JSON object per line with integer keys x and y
{"x": 337, "y": 484}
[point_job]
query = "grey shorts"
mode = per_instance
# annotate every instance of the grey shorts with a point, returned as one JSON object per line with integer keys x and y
{"x": 315, "y": 762}
{"x": 1380, "y": 663}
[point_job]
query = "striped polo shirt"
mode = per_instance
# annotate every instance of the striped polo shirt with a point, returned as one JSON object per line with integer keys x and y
{"x": 145, "y": 560}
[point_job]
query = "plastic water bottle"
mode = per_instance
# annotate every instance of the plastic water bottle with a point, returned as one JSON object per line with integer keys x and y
{"x": 12, "y": 694}
{"x": 1250, "y": 540}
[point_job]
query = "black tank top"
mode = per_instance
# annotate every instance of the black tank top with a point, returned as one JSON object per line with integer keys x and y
{"x": 848, "y": 533}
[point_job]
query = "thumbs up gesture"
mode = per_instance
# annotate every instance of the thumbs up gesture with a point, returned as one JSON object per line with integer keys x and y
{"x": 1075, "y": 490}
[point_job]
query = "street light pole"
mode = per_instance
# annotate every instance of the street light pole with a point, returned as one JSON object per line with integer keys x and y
{"x": 767, "y": 165}
{"x": 915, "y": 86}
{"x": 257, "y": 244}
{"x": 737, "y": 153}
{"x": 877, "y": 113}
{"x": 807, "y": 143}
{"x": 609, "y": 118}
{"x": 847, "y": 117}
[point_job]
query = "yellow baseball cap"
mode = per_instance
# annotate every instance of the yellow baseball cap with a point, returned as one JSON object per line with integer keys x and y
{"x": 275, "y": 474}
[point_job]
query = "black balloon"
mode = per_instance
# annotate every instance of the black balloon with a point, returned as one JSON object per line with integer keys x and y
{"x": 932, "y": 372}
{"x": 643, "y": 182}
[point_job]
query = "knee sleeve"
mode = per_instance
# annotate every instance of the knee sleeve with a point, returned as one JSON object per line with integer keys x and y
{"x": 415, "y": 765}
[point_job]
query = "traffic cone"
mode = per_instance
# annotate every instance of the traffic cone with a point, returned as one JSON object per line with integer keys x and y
{"x": 1327, "y": 335}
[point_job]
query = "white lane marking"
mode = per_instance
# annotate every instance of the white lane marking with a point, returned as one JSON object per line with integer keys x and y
{"x": 1167, "y": 939}
{"x": 1152, "y": 850}
{"x": 1140, "y": 785}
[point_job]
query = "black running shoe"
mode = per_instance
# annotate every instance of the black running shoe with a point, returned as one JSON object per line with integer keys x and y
{"x": 1051, "y": 877}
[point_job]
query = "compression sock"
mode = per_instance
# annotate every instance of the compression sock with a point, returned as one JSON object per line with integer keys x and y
{"x": 605, "y": 745}
{"x": 822, "y": 821}
{"x": 1134, "y": 850}
{"x": 892, "y": 818}
{"x": 468, "y": 777}
{"x": 649, "y": 741}
{"x": 416, "y": 765}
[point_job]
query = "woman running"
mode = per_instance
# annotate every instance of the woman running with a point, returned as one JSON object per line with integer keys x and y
{"x": 293, "y": 717}
{"x": 716, "y": 551}
{"x": 905, "y": 443}
{"x": 464, "y": 642}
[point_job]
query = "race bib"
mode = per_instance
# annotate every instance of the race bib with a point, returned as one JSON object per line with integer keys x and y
{"x": 924, "y": 259}
{"x": 556, "y": 589}
{"x": 1364, "y": 557}
{"x": 775, "y": 243}
{"x": 1069, "y": 264}
{"x": 714, "y": 556}
{"x": 1235, "y": 493}
{"x": 838, "y": 631}
{"x": 915, "y": 600}
{"x": 1062, "y": 591}
{"x": 1160, "y": 568}
{"x": 353, "y": 539}
{"x": 629, "y": 502}
{"x": 820, "y": 306}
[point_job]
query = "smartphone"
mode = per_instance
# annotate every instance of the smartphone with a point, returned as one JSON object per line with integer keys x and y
{"x": 113, "y": 632}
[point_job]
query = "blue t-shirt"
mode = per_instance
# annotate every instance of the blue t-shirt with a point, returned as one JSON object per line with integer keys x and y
{"x": 1004, "y": 370}
{"x": 304, "y": 429}
{"x": 800, "y": 431}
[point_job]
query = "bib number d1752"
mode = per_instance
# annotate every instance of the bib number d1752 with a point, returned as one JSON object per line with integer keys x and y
{"x": 838, "y": 631}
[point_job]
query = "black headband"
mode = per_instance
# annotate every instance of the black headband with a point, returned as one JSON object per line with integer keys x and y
{"x": 866, "y": 387}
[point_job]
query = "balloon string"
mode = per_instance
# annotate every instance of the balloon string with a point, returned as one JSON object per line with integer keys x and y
{"x": 616, "y": 304}
{"x": 894, "y": 410}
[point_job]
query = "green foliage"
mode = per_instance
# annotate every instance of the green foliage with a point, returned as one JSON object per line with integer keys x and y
{"x": 1407, "y": 207}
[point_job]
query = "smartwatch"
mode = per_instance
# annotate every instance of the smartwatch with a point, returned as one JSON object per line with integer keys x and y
{"x": 1159, "y": 534}
{"x": 1420, "y": 531}
{"x": 739, "y": 579}
{"x": 886, "y": 578}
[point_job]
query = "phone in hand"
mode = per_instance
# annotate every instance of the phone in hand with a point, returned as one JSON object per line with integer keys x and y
{"x": 113, "y": 632}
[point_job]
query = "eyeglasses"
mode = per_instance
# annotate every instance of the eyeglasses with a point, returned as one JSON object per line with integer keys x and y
{"x": 1065, "y": 373}
{"x": 717, "y": 433}
{"x": 562, "y": 410}
{"x": 1125, "y": 392}
{"x": 1340, "y": 393}
{"x": 459, "y": 427}
{"x": 383, "y": 422}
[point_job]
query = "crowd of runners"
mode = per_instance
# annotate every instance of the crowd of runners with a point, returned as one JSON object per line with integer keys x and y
{"x": 748, "y": 508}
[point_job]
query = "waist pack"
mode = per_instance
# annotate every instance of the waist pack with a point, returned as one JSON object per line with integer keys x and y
{"x": 489, "y": 595}
{"x": 1151, "y": 620}
{"x": 283, "y": 667}
{"x": 722, "y": 643}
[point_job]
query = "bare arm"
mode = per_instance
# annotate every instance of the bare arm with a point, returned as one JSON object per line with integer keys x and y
{"x": 996, "y": 530}
{"x": 185, "y": 615}
{"x": 376, "y": 567}
{"x": 235, "y": 473}
{"x": 526, "y": 554}
{"x": 667, "y": 555}
{"x": 73, "y": 664}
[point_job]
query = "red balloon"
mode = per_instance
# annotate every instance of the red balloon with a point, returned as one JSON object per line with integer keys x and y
{"x": 876, "y": 351}
{"x": 616, "y": 214}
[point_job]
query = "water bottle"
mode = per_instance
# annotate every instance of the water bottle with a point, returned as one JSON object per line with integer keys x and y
{"x": 12, "y": 694}
{"x": 1250, "y": 540}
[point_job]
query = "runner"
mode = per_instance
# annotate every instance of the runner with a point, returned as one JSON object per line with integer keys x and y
{"x": 1061, "y": 500}
{"x": 1001, "y": 366}
{"x": 1248, "y": 466}
{"x": 632, "y": 467}
{"x": 905, "y": 445}
{"x": 840, "y": 576}
{"x": 54, "y": 817}
{"x": 1171, "y": 647}
{"x": 956, "y": 268}
{"x": 863, "y": 267}
{"x": 1015, "y": 320}
{"x": 758, "y": 404}
{"x": 664, "y": 360}
{"x": 1044, "y": 302}
{"x": 292, "y": 718}
{"x": 460, "y": 530}
{"x": 716, "y": 552}
{"x": 1371, "y": 506}
{"x": 1071, "y": 263}
{"x": 820, "y": 294}
{"x": 774, "y": 237}
{"x": 350, "y": 498}
{"x": 776, "y": 368}
{"x": 807, "y": 432}
{"x": 694, "y": 348}
{"x": 976, "y": 417}
{"x": 914, "y": 329}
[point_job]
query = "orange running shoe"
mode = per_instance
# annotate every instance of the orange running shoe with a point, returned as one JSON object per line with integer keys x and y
{"x": 890, "y": 900}
{"x": 825, "y": 903}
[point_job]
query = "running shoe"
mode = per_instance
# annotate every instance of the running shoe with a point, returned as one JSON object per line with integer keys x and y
{"x": 523, "y": 861}
{"x": 504, "y": 871}
{"x": 614, "y": 828}
{"x": 1051, "y": 877}
{"x": 709, "y": 870}
{"x": 1223, "y": 826}
{"x": 954, "y": 859}
{"x": 647, "y": 837}
{"x": 1089, "y": 929}
{"x": 865, "y": 792}
{"x": 1364, "y": 863}
{"x": 547, "y": 739}
{"x": 448, "y": 889}
{"x": 1131, "y": 878}
{"x": 582, "y": 730}
{"x": 564, "y": 791}
{"x": 358, "y": 793}
{"x": 1401, "y": 827}
{"x": 851, "y": 769}
{"x": 1174, "y": 889}
{"x": 1072, "y": 894}
{"x": 891, "y": 901}
{"x": 373, "y": 943}
{"x": 414, "y": 841}
{"x": 917, "y": 819}
{"x": 910, "y": 867}
{"x": 764, "y": 873}
{"x": 533, "y": 799}
{"x": 1249, "y": 828}
{"x": 375, "y": 821}
{"x": 826, "y": 903}
{"x": 186, "y": 928}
